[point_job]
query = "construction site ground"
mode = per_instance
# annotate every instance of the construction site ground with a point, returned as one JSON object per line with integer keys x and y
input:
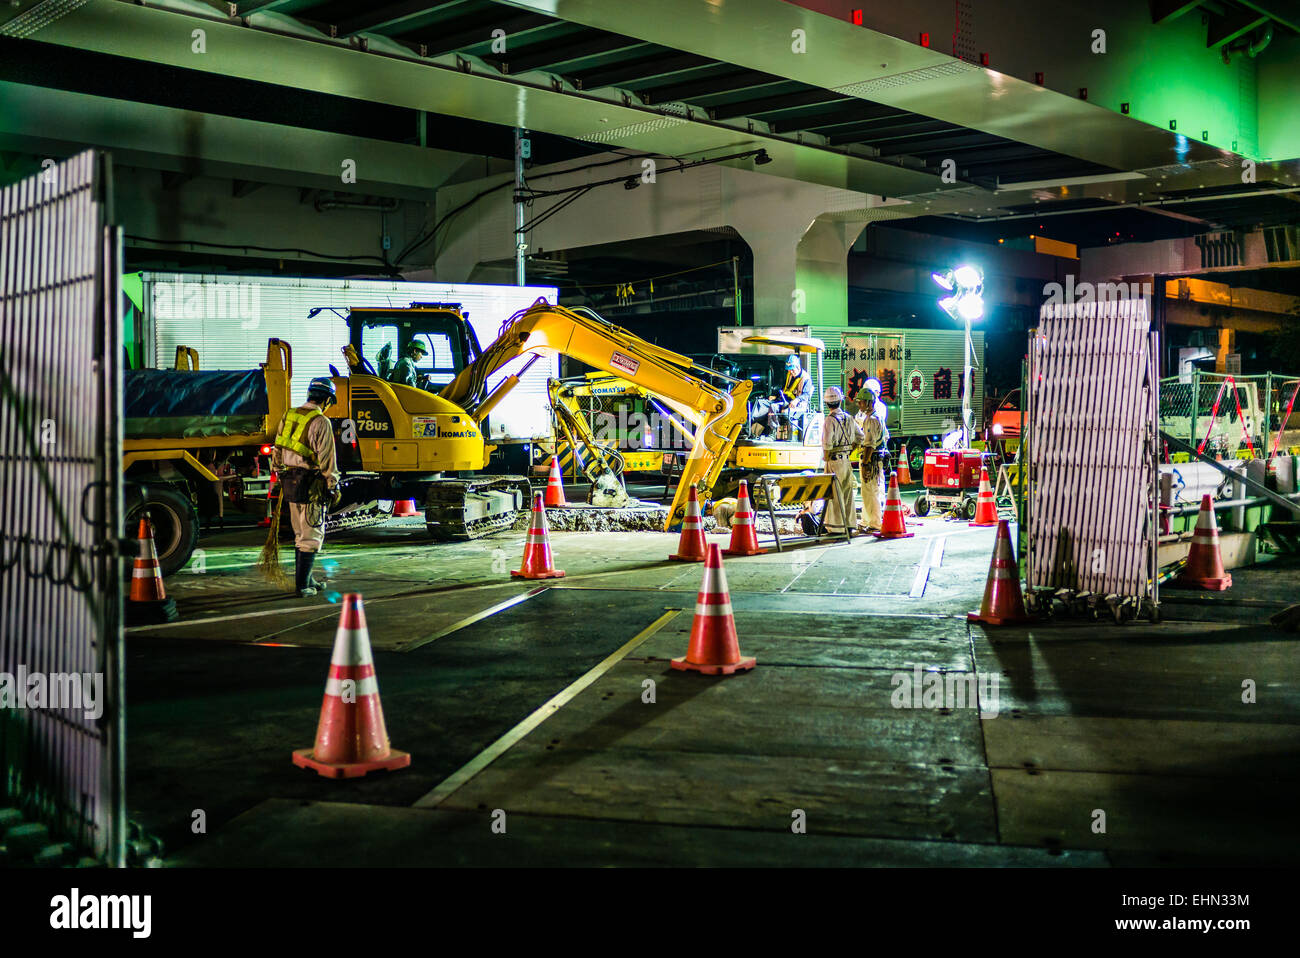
{"x": 550, "y": 709}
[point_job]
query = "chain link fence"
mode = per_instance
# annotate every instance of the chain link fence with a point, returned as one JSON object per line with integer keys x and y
{"x": 1236, "y": 417}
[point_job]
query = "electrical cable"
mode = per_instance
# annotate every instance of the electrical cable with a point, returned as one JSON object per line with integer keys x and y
{"x": 249, "y": 246}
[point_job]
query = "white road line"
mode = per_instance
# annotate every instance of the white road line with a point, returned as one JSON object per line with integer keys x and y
{"x": 483, "y": 759}
{"x": 931, "y": 559}
{"x": 471, "y": 619}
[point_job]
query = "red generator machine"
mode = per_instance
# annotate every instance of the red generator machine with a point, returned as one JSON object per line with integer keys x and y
{"x": 952, "y": 480}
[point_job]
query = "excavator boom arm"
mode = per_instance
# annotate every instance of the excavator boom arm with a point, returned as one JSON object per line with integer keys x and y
{"x": 543, "y": 328}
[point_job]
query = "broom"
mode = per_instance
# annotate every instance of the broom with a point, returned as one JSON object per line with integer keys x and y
{"x": 268, "y": 563}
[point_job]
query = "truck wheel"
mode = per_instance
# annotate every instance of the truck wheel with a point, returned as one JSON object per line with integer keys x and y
{"x": 968, "y": 509}
{"x": 175, "y": 524}
{"x": 922, "y": 506}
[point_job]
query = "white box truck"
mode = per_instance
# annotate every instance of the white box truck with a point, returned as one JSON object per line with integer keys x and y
{"x": 921, "y": 374}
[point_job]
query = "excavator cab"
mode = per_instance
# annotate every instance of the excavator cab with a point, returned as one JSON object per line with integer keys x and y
{"x": 381, "y": 337}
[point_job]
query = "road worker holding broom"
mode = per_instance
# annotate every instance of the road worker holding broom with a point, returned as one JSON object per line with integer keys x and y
{"x": 305, "y": 462}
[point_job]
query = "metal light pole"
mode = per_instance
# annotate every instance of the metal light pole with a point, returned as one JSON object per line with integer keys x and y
{"x": 522, "y": 149}
{"x": 967, "y": 353}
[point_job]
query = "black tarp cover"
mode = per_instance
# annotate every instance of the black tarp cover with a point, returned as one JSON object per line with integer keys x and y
{"x": 158, "y": 393}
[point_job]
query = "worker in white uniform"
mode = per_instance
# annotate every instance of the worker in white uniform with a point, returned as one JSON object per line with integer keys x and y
{"x": 305, "y": 461}
{"x": 840, "y": 434}
{"x": 875, "y": 436}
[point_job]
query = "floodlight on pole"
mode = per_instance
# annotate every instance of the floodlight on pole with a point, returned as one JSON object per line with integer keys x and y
{"x": 966, "y": 304}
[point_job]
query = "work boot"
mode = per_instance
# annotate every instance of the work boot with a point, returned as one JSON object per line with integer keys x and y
{"x": 304, "y": 581}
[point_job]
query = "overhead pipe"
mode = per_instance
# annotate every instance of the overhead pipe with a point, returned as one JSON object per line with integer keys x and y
{"x": 385, "y": 206}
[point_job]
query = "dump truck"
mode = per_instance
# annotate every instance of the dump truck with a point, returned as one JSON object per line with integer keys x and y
{"x": 197, "y": 442}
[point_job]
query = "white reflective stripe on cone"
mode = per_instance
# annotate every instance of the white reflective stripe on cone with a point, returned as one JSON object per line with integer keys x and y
{"x": 351, "y": 649}
{"x": 142, "y": 573}
{"x": 701, "y": 609}
{"x": 367, "y": 686}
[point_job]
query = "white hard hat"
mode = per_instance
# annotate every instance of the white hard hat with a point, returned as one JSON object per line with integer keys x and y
{"x": 873, "y": 386}
{"x": 833, "y": 395}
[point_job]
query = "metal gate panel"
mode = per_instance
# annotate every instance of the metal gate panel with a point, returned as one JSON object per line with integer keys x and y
{"x": 60, "y": 503}
{"x": 1091, "y": 448}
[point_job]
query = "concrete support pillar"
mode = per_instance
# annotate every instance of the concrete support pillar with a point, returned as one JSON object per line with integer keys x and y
{"x": 799, "y": 233}
{"x": 1227, "y": 343}
{"x": 801, "y": 275}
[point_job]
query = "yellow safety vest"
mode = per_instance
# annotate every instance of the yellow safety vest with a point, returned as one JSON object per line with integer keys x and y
{"x": 794, "y": 385}
{"x": 293, "y": 430}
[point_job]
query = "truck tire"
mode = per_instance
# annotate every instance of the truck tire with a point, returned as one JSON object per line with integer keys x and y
{"x": 922, "y": 506}
{"x": 175, "y": 523}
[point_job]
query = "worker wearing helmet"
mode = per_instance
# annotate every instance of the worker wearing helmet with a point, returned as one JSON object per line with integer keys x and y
{"x": 406, "y": 372}
{"x": 875, "y": 437}
{"x": 305, "y": 462}
{"x": 795, "y": 398}
{"x": 840, "y": 434}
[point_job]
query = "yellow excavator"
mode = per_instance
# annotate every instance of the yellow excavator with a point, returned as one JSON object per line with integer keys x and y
{"x": 748, "y": 457}
{"x": 401, "y": 441}
{"x": 605, "y": 442}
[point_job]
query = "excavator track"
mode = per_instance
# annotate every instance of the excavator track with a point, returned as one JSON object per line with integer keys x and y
{"x": 457, "y": 510}
{"x": 360, "y": 518}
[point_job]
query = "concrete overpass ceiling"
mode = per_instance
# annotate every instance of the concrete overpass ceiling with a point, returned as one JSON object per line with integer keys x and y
{"x": 865, "y": 110}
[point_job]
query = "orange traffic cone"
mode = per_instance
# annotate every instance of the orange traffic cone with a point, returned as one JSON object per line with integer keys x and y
{"x": 555, "y": 486}
{"x": 1204, "y": 567}
{"x": 147, "y": 603}
{"x": 744, "y": 537}
{"x": 538, "y": 563}
{"x": 690, "y": 547}
{"x": 892, "y": 525}
{"x": 403, "y": 508}
{"x": 713, "y": 649}
{"x": 986, "y": 507}
{"x": 904, "y": 472}
{"x": 1003, "y": 604}
{"x": 351, "y": 739}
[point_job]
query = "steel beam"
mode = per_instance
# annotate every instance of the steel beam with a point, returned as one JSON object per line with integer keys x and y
{"x": 548, "y": 56}
{"x": 870, "y": 65}
{"x": 465, "y": 34}
{"x": 1226, "y": 28}
{"x": 1162, "y": 11}
{"x": 335, "y": 68}
{"x": 186, "y": 144}
{"x": 637, "y": 71}
{"x": 402, "y": 16}
{"x": 713, "y": 86}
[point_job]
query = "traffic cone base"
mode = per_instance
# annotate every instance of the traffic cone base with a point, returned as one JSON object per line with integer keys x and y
{"x": 682, "y": 664}
{"x": 403, "y": 508}
{"x": 551, "y": 574}
{"x": 302, "y": 757}
{"x": 713, "y": 648}
{"x": 151, "y": 613}
{"x": 986, "y": 507}
{"x": 1003, "y": 603}
{"x": 351, "y": 738}
{"x": 147, "y": 602}
{"x": 744, "y": 536}
{"x": 555, "y": 486}
{"x": 892, "y": 524}
{"x": 1204, "y": 568}
{"x": 538, "y": 562}
{"x": 691, "y": 544}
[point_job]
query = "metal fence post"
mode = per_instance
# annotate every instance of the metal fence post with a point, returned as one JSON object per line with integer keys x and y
{"x": 1196, "y": 403}
{"x": 1268, "y": 410}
